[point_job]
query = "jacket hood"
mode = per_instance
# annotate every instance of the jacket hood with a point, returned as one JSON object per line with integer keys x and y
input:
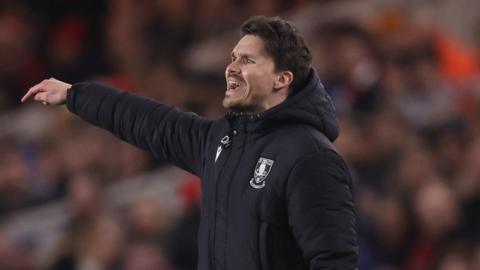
{"x": 310, "y": 105}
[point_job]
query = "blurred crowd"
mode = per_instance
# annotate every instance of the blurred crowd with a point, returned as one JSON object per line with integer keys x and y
{"x": 405, "y": 85}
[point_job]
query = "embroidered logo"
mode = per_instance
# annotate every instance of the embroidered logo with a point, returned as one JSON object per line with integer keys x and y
{"x": 262, "y": 169}
{"x": 219, "y": 150}
{"x": 224, "y": 143}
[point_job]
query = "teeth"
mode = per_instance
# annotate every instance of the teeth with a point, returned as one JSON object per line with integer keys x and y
{"x": 232, "y": 84}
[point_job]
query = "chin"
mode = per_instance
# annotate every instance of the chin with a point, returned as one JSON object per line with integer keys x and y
{"x": 231, "y": 104}
{"x": 227, "y": 103}
{"x": 234, "y": 101}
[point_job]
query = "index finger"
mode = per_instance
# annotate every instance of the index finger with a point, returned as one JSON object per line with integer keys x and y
{"x": 32, "y": 91}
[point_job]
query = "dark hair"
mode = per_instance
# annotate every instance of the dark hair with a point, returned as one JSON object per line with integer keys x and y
{"x": 284, "y": 44}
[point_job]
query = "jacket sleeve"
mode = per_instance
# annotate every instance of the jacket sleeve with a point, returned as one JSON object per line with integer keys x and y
{"x": 163, "y": 130}
{"x": 321, "y": 211}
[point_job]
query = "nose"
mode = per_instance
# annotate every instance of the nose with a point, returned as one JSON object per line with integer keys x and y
{"x": 232, "y": 68}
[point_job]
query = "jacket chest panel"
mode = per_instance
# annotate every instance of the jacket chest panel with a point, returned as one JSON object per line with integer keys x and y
{"x": 250, "y": 183}
{"x": 246, "y": 182}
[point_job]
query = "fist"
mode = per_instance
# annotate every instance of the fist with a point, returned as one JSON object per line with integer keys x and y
{"x": 49, "y": 92}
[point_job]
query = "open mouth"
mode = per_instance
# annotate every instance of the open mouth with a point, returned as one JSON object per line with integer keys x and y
{"x": 233, "y": 84}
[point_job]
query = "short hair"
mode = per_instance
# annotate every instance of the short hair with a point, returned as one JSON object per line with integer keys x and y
{"x": 283, "y": 42}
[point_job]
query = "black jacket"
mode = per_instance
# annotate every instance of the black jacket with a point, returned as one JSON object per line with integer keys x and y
{"x": 276, "y": 194}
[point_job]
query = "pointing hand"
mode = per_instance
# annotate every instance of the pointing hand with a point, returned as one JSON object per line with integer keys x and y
{"x": 49, "y": 92}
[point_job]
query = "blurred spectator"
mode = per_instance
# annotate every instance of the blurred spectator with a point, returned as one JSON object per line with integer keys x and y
{"x": 146, "y": 221}
{"x": 19, "y": 65}
{"x": 14, "y": 190}
{"x": 86, "y": 210}
{"x": 437, "y": 213}
{"x": 424, "y": 99}
{"x": 66, "y": 49}
{"x": 15, "y": 255}
{"x": 182, "y": 243}
{"x": 145, "y": 256}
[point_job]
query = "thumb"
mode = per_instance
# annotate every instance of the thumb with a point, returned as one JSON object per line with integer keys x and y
{"x": 41, "y": 96}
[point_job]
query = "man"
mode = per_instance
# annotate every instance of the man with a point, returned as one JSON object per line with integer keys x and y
{"x": 276, "y": 194}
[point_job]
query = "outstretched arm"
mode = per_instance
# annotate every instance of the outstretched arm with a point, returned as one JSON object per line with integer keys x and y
{"x": 163, "y": 130}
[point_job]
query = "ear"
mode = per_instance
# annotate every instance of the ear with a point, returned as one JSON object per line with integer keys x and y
{"x": 283, "y": 80}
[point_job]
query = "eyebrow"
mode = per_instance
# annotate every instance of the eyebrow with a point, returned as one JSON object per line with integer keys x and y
{"x": 242, "y": 55}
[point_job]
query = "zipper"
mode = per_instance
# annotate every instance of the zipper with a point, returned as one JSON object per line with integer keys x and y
{"x": 228, "y": 194}
{"x": 225, "y": 143}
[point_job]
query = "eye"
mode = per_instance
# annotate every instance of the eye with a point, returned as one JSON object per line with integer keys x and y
{"x": 248, "y": 61}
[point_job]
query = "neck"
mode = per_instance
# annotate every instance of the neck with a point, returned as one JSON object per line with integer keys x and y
{"x": 275, "y": 99}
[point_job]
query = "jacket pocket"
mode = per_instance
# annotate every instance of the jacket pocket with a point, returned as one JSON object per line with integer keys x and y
{"x": 263, "y": 235}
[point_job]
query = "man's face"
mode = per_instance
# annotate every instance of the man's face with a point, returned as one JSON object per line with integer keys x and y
{"x": 250, "y": 77}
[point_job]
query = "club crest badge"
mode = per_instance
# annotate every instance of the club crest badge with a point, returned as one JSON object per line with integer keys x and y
{"x": 262, "y": 169}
